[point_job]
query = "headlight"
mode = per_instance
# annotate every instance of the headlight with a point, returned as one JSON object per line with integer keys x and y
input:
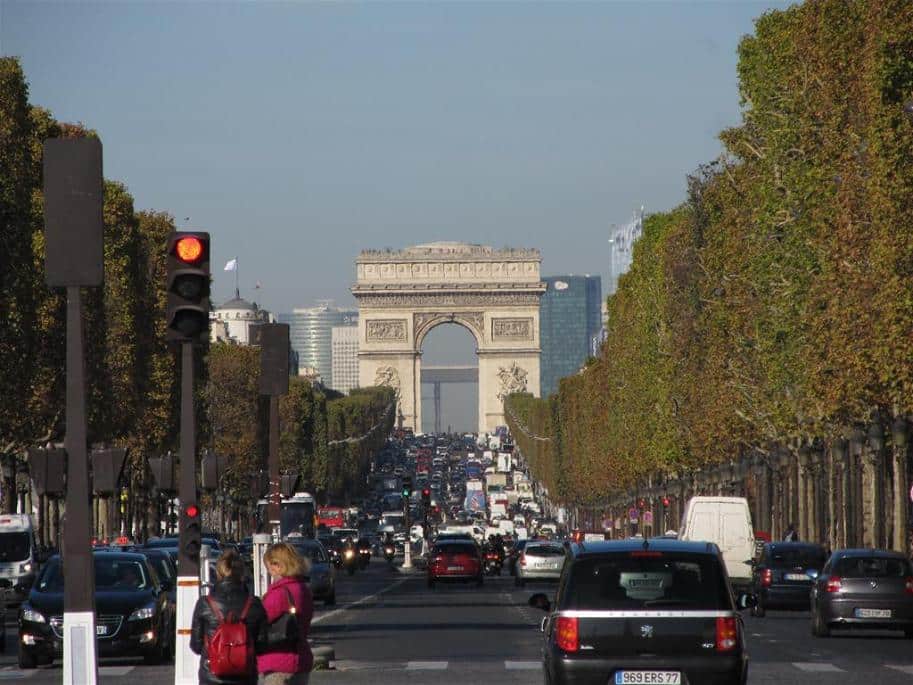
{"x": 143, "y": 613}
{"x": 29, "y": 614}
{"x": 25, "y": 568}
{"x": 349, "y": 554}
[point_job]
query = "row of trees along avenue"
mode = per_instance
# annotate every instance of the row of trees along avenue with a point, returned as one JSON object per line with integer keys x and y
{"x": 132, "y": 374}
{"x": 762, "y": 342}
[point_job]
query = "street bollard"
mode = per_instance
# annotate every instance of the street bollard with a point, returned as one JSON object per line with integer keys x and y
{"x": 261, "y": 577}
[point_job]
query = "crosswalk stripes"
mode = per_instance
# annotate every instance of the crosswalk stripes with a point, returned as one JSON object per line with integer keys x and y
{"x": 115, "y": 671}
{"x": 15, "y": 674}
{"x": 817, "y": 667}
{"x": 427, "y": 666}
{"x": 522, "y": 665}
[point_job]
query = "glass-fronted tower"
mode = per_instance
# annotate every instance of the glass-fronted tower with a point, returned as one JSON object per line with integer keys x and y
{"x": 311, "y": 335}
{"x": 570, "y": 315}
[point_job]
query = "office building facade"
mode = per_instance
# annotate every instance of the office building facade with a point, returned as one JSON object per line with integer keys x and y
{"x": 345, "y": 358}
{"x": 311, "y": 335}
{"x": 570, "y": 317}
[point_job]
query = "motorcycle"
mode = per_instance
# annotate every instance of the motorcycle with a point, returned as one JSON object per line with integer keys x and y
{"x": 350, "y": 560}
{"x": 493, "y": 564}
{"x": 389, "y": 553}
{"x": 364, "y": 557}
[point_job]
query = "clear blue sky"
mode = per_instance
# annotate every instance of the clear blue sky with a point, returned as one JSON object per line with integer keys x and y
{"x": 300, "y": 133}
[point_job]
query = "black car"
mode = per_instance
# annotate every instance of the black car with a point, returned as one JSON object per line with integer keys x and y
{"x": 636, "y": 611}
{"x": 133, "y": 611}
{"x": 784, "y": 574}
{"x": 863, "y": 588}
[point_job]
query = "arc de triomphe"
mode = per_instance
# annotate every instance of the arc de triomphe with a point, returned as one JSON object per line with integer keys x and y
{"x": 494, "y": 294}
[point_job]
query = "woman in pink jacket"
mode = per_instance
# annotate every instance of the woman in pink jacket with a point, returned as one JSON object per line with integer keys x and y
{"x": 288, "y": 571}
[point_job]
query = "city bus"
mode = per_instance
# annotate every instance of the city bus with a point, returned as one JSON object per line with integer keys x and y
{"x": 296, "y": 515}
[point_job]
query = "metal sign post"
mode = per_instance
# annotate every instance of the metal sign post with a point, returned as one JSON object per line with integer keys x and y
{"x": 274, "y": 353}
{"x": 74, "y": 258}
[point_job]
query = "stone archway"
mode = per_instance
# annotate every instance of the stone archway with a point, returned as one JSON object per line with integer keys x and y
{"x": 402, "y": 295}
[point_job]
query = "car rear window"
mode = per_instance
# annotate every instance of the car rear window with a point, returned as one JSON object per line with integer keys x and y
{"x": 647, "y": 580}
{"x": 872, "y": 567}
{"x": 457, "y": 548}
{"x": 791, "y": 557}
{"x": 544, "y": 551}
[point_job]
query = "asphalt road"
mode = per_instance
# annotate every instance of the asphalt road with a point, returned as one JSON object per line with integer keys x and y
{"x": 388, "y": 627}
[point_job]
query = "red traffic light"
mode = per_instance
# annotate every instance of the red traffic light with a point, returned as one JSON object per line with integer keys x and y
{"x": 189, "y": 249}
{"x": 191, "y": 511}
{"x": 426, "y": 493}
{"x": 665, "y": 501}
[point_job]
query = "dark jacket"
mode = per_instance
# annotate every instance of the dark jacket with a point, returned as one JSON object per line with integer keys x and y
{"x": 230, "y": 596}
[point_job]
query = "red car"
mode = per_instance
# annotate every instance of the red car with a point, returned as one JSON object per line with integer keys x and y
{"x": 458, "y": 560}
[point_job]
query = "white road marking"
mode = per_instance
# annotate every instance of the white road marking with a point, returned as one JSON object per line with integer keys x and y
{"x": 817, "y": 667}
{"x": 16, "y": 675}
{"x": 901, "y": 668}
{"x": 522, "y": 665}
{"x": 116, "y": 671}
{"x": 426, "y": 666}
{"x": 368, "y": 598}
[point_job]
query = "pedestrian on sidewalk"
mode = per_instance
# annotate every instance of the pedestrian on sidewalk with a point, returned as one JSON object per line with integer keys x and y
{"x": 228, "y": 601}
{"x": 287, "y": 664}
{"x": 792, "y": 534}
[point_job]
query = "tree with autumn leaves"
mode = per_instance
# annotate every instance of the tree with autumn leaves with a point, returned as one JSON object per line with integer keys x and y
{"x": 775, "y": 306}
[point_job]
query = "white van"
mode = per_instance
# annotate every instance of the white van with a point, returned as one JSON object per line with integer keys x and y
{"x": 725, "y": 521}
{"x": 18, "y": 556}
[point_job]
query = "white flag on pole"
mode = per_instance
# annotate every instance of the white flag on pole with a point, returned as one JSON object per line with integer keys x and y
{"x": 232, "y": 265}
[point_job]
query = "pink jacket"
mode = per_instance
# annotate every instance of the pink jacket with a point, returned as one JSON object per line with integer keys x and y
{"x": 275, "y": 601}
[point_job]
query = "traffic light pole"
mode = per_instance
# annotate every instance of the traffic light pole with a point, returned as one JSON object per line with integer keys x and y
{"x": 186, "y": 663}
{"x": 275, "y": 494}
{"x": 407, "y": 547}
{"x": 80, "y": 658}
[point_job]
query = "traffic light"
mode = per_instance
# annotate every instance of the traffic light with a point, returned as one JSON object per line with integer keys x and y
{"x": 188, "y": 286}
{"x": 426, "y": 497}
{"x": 191, "y": 531}
{"x": 665, "y": 501}
{"x": 407, "y": 486}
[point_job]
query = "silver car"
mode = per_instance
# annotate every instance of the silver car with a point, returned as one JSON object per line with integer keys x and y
{"x": 540, "y": 561}
{"x": 322, "y": 576}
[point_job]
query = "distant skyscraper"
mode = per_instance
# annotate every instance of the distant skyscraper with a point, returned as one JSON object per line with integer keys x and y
{"x": 345, "y": 358}
{"x": 570, "y": 316}
{"x": 311, "y": 334}
{"x": 621, "y": 247}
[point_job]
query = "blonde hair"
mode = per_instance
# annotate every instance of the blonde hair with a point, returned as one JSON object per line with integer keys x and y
{"x": 288, "y": 560}
{"x": 230, "y": 565}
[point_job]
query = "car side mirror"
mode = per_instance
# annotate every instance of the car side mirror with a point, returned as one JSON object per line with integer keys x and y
{"x": 540, "y": 601}
{"x": 746, "y": 601}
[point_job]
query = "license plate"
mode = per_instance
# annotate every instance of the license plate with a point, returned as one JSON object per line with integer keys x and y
{"x": 454, "y": 568}
{"x": 796, "y": 576}
{"x": 101, "y": 630}
{"x": 873, "y": 613}
{"x": 648, "y": 677}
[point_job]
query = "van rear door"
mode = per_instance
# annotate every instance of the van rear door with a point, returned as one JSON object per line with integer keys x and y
{"x": 736, "y": 539}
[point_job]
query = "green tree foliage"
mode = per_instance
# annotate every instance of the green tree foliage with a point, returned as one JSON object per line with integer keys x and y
{"x": 776, "y": 302}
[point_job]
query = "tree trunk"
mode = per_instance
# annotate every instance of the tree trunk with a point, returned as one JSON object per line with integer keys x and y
{"x": 900, "y": 539}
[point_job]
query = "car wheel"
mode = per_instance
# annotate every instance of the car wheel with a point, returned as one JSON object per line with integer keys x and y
{"x": 819, "y": 627}
{"x": 758, "y": 610}
{"x": 27, "y": 659}
{"x": 330, "y": 599}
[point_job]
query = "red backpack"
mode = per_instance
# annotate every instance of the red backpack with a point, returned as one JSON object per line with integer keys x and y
{"x": 230, "y": 649}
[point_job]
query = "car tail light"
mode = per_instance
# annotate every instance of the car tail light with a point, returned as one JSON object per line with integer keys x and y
{"x": 767, "y": 577}
{"x": 727, "y": 633}
{"x": 834, "y": 585}
{"x": 908, "y": 585}
{"x": 566, "y": 635}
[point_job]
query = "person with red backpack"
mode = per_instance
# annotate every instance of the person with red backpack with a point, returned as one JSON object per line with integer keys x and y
{"x": 229, "y": 626}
